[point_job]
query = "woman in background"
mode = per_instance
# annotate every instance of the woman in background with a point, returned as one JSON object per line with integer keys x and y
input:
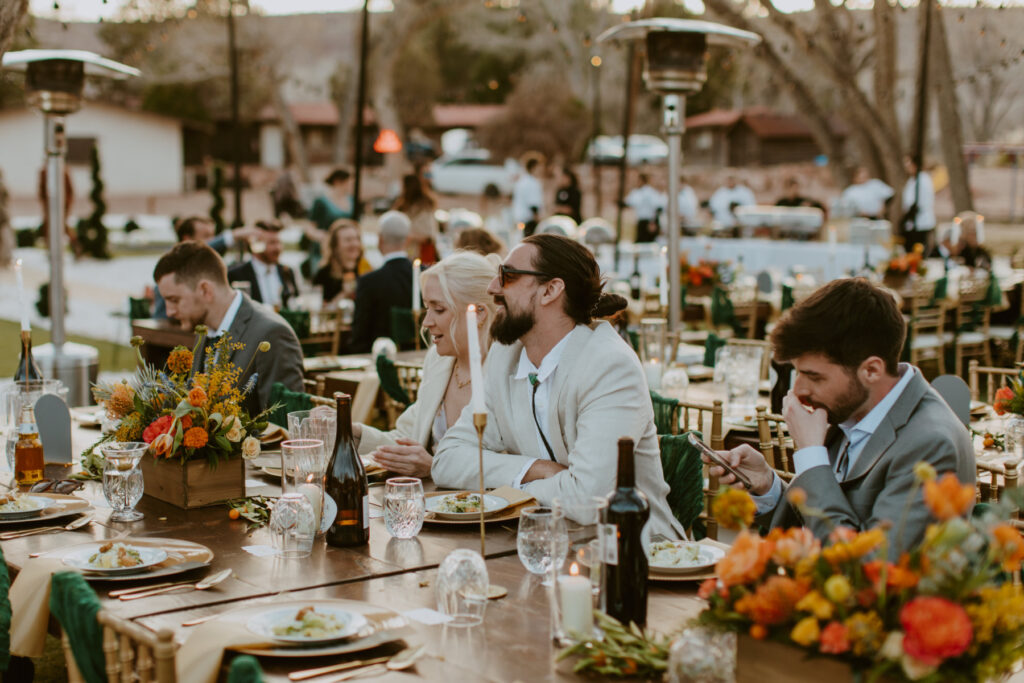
{"x": 345, "y": 262}
{"x": 568, "y": 198}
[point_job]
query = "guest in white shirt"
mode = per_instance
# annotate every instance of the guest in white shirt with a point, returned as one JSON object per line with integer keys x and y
{"x": 867, "y": 196}
{"x": 561, "y": 389}
{"x": 918, "y": 208}
{"x": 270, "y": 282}
{"x": 448, "y": 287}
{"x": 646, "y": 203}
{"x": 725, "y": 200}
{"x": 688, "y": 204}
{"x": 528, "y": 197}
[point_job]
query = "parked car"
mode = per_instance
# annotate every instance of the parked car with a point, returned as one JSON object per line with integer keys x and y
{"x": 472, "y": 172}
{"x": 643, "y": 149}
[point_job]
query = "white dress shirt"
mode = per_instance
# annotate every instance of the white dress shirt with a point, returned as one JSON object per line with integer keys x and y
{"x": 527, "y": 193}
{"x": 722, "y": 200}
{"x": 856, "y": 436}
{"x": 925, "y": 202}
{"x": 269, "y": 282}
{"x": 545, "y": 375}
{"x": 867, "y": 198}
{"x": 229, "y": 316}
{"x": 645, "y": 202}
{"x": 688, "y": 206}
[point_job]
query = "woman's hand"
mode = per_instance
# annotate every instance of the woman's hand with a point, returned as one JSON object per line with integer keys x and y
{"x": 408, "y": 457}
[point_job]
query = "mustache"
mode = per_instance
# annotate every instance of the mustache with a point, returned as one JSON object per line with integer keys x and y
{"x": 499, "y": 299}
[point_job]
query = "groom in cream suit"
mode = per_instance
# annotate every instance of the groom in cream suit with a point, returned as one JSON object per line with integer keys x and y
{"x": 561, "y": 389}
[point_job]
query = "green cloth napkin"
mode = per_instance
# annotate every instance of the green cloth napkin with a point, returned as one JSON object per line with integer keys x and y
{"x": 994, "y": 293}
{"x": 722, "y": 311}
{"x": 787, "y": 297}
{"x": 245, "y": 669}
{"x": 711, "y": 346}
{"x": 403, "y": 329}
{"x": 680, "y": 462}
{"x": 664, "y": 413}
{"x": 5, "y": 614}
{"x": 389, "y": 380}
{"x": 941, "y": 290}
{"x": 298, "y": 320}
{"x": 289, "y": 401}
{"x": 75, "y": 604}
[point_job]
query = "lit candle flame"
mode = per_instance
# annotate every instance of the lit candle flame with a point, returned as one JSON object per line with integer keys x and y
{"x": 574, "y": 569}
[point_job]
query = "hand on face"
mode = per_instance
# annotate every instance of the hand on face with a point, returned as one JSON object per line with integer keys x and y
{"x": 407, "y": 457}
{"x": 807, "y": 426}
{"x": 750, "y": 462}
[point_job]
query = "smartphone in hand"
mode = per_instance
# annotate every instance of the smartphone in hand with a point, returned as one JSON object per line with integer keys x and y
{"x": 718, "y": 460}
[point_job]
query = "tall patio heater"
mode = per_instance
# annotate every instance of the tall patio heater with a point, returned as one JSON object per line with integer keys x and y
{"x": 676, "y": 65}
{"x": 54, "y": 80}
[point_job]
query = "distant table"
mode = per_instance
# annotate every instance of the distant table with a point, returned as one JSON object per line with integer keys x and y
{"x": 160, "y": 337}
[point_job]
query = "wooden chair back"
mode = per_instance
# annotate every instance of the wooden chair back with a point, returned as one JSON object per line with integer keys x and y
{"x": 775, "y": 445}
{"x": 131, "y": 652}
{"x": 410, "y": 376}
{"x": 994, "y": 479}
{"x": 972, "y": 318}
{"x": 926, "y": 329}
{"x": 325, "y": 327}
{"x": 991, "y": 378}
{"x": 707, "y": 418}
{"x": 744, "y": 306}
{"x": 315, "y": 386}
{"x": 766, "y": 352}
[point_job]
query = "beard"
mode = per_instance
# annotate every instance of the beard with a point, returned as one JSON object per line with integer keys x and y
{"x": 509, "y": 326}
{"x": 846, "y": 403}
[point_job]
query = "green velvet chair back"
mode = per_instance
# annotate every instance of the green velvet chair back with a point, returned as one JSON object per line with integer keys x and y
{"x": 289, "y": 401}
{"x": 138, "y": 309}
{"x": 298, "y": 320}
{"x": 389, "y": 381}
{"x": 684, "y": 473}
{"x": 787, "y": 298}
{"x": 5, "y": 614}
{"x": 634, "y": 340}
{"x": 403, "y": 329}
{"x": 711, "y": 346}
{"x": 666, "y": 414}
{"x": 245, "y": 669}
{"x": 722, "y": 312}
{"x": 74, "y": 604}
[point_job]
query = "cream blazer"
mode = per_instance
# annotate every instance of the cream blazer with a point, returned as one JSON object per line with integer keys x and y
{"x": 599, "y": 394}
{"x": 417, "y": 420}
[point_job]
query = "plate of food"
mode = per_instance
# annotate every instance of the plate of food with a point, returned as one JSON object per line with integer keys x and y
{"x": 114, "y": 557}
{"x": 17, "y": 506}
{"x": 683, "y": 557}
{"x": 308, "y": 625}
{"x": 464, "y": 504}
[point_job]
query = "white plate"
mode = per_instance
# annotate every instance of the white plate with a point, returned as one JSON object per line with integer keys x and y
{"x": 38, "y": 505}
{"x": 709, "y": 557}
{"x": 79, "y": 559}
{"x": 263, "y": 624}
{"x": 492, "y": 504}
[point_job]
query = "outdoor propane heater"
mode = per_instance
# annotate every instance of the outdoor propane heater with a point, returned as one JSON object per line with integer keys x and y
{"x": 676, "y": 65}
{"x": 54, "y": 80}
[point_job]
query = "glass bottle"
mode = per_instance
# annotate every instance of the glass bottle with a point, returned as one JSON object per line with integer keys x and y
{"x": 624, "y": 594}
{"x": 346, "y": 484}
{"x": 27, "y": 369}
{"x": 28, "y": 451}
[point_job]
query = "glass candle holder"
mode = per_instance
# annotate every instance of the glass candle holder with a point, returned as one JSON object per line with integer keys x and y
{"x": 461, "y": 587}
{"x": 702, "y": 655}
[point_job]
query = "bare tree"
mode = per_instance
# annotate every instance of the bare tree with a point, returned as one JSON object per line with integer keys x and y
{"x": 11, "y": 12}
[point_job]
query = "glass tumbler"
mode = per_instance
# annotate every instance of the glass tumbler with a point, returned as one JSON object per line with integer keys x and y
{"x": 542, "y": 541}
{"x": 404, "y": 506}
{"x": 303, "y": 470}
{"x": 122, "y": 478}
{"x": 292, "y": 526}
{"x": 702, "y": 655}
{"x": 461, "y": 588}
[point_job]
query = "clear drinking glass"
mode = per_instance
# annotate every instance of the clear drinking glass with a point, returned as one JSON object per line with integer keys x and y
{"x": 577, "y": 585}
{"x": 319, "y": 423}
{"x": 404, "y": 506}
{"x": 461, "y": 587}
{"x": 303, "y": 471}
{"x": 702, "y": 655}
{"x": 15, "y": 395}
{"x": 740, "y": 369}
{"x": 122, "y": 478}
{"x": 542, "y": 541}
{"x": 292, "y": 526}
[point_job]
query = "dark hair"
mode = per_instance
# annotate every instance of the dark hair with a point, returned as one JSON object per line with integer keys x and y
{"x": 572, "y": 263}
{"x": 574, "y": 180}
{"x": 531, "y": 164}
{"x": 338, "y": 175}
{"x": 479, "y": 240}
{"x": 186, "y": 227}
{"x": 847, "y": 321}
{"x": 270, "y": 225}
{"x": 191, "y": 262}
{"x": 414, "y": 193}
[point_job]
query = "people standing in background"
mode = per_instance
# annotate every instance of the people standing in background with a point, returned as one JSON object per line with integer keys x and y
{"x": 284, "y": 194}
{"x": 725, "y": 199}
{"x": 326, "y": 208}
{"x": 963, "y": 241}
{"x": 480, "y": 241}
{"x": 918, "y": 220}
{"x": 344, "y": 262}
{"x": 646, "y": 203}
{"x": 270, "y": 281}
{"x": 687, "y": 202}
{"x": 792, "y": 196}
{"x": 867, "y": 196}
{"x": 419, "y": 205}
{"x": 528, "y": 197}
{"x": 568, "y": 197}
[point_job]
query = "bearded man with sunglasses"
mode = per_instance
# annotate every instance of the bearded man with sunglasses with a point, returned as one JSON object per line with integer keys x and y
{"x": 561, "y": 389}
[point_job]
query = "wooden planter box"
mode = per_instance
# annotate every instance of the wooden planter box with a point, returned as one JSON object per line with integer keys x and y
{"x": 895, "y": 281}
{"x": 695, "y": 292}
{"x": 194, "y": 484}
{"x": 759, "y": 661}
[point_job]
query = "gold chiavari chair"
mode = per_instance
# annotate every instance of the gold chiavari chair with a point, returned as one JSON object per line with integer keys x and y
{"x": 925, "y": 329}
{"x": 131, "y": 652}
{"x": 325, "y": 328}
{"x": 707, "y": 418}
{"x": 775, "y": 445}
{"x": 991, "y": 378}
{"x": 972, "y": 317}
{"x": 410, "y": 376}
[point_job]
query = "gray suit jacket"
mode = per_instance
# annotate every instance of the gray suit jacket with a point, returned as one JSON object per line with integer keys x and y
{"x": 919, "y": 427}
{"x": 599, "y": 394}
{"x": 255, "y": 323}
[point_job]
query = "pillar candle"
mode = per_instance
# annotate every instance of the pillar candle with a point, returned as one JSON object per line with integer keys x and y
{"x": 576, "y": 602}
{"x": 416, "y": 285}
{"x": 476, "y": 370}
{"x": 663, "y": 278}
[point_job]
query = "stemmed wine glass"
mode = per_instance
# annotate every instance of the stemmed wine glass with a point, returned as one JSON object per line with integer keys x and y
{"x": 122, "y": 478}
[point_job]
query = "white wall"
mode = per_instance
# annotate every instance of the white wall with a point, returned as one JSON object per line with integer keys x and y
{"x": 140, "y": 153}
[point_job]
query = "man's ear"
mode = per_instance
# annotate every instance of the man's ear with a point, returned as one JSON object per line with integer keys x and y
{"x": 871, "y": 370}
{"x": 204, "y": 288}
{"x": 552, "y": 289}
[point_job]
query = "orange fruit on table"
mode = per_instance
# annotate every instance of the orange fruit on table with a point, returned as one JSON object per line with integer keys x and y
{"x": 234, "y": 513}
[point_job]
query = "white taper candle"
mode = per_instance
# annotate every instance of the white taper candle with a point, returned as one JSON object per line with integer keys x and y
{"x": 476, "y": 370}
{"x": 416, "y": 285}
{"x": 21, "y": 297}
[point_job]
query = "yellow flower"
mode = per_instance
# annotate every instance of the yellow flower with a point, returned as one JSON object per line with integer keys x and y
{"x": 264, "y": 346}
{"x": 866, "y": 632}
{"x": 733, "y": 509}
{"x": 857, "y": 547}
{"x": 924, "y": 471}
{"x": 817, "y": 605}
{"x": 130, "y": 428}
{"x": 806, "y": 632}
{"x": 121, "y": 401}
{"x": 250, "y": 447}
{"x": 1000, "y": 610}
{"x": 838, "y": 589}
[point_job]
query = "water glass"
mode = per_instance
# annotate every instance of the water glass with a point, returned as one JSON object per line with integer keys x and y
{"x": 292, "y": 526}
{"x": 404, "y": 506}
{"x": 740, "y": 369}
{"x": 122, "y": 478}
{"x": 303, "y": 471}
{"x": 461, "y": 588}
{"x": 319, "y": 423}
{"x": 702, "y": 655}
{"x": 542, "y": 541}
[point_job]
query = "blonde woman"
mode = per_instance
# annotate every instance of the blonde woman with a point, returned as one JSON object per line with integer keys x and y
{"x": 345, "y": 262}
{"x": 448, "y": 288}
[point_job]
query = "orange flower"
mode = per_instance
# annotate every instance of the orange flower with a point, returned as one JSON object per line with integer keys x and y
{"x": 793, "y": 545}
{"x": 197, "y": 396}
{"x": 121, "y": 401}
{"x": 745, "y": 561}
{"x": 948, "y": 498}
{"x": 898, "y": 577}
{"x": 835, "y": 639}
{"x": 935, "y": 629}
{"x": 1003, "y": 396}
{"x": 797, "y": 496}
{"x": 758, "y": 632}
{"x": 1009, "y": 545}
{"x": 774, "y": 601}
{"x": 180, "y": 361}
{"x": 842, "y": 534}
{"x": 162, "y": 445}
{"x": 856, "y": 547}
{"x": 734, "y": 509}
{"x": 709, "y": 587}
{"x": 196, "y": 437}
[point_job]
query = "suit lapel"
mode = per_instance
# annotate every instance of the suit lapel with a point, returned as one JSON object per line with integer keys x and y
{"x": 885, "y": 434}
{"x": 432, "y": 390}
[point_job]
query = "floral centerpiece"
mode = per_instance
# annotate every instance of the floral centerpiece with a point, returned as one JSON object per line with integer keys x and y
{"x": 702, "y": 276}
{"x": 901, "y": 266}
{"x": 944, "y": 611}
{"x": 1010, "y": 399}
{"x": 193, "y": 417}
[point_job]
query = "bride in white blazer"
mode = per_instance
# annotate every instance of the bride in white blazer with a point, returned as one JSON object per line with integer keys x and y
{"x": 448, "y": 288}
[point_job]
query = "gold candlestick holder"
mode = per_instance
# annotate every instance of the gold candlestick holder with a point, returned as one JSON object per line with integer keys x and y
{"x": 480, "y": 422}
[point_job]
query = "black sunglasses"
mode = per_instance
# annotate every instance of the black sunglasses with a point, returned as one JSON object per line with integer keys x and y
{"x": 507, "y": 274}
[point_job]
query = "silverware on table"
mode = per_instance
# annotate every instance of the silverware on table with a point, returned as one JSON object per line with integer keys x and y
{"x": 76, "y": 524}
{"x": 209, "y": 582}
{"x": 397, "y": 662}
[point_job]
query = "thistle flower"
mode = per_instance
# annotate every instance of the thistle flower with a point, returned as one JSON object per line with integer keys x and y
{"x": 250, "y": 384}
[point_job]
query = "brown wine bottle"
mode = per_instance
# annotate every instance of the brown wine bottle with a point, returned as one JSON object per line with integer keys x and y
{"x": 28, "y": 451}
{"x": 346, "y": 484}
{"x": 27, "y": 369}
{"x": 624, "y": 590}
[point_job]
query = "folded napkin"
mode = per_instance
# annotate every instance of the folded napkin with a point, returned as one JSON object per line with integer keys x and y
{"x": 514, "y": 496}
{"x": 30, "y": 606}
{"x": 200, "y": 656}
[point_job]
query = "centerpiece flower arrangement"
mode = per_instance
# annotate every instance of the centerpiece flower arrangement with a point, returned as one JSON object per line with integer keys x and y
{"x": 704, "y": 273}
{"x": 907, "y": 264}
{"x": 945, "y": 611}
{"x": 184, "y": 414}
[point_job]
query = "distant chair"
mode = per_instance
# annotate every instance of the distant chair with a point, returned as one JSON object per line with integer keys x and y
{"x": 956, "y": 394}
{"x": 973, "y": 311}
{"x": 558, "y": 225}
{"x": 400, "y": 383}
{"x": 595, "y": 231}
{"x": 926, "y": 337}
{"x": 993, "y": 378}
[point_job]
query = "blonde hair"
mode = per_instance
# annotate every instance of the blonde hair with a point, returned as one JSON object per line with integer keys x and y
{"x": 464, "y": 277}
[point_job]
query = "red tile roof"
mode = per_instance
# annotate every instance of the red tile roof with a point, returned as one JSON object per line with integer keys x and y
{"x": 445, "y": 115}
{"x": 764, "y": 122}
{"x": 465, "y": 115}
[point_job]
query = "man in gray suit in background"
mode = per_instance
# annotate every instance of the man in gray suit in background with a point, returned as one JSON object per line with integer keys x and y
{"x": 194, "y": 281}
{"x": 860, "y": 420}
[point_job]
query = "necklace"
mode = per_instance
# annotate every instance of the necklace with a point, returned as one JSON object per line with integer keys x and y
{"x": 455, "y": 374}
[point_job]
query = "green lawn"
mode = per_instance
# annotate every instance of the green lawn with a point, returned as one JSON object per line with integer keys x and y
{"x": 112, "y": 356}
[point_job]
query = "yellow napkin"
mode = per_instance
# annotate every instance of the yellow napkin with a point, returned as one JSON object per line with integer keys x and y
{"x": 514, "y": 496}
{"x": 30, "y": 606}
{"x": 199, "y": 657}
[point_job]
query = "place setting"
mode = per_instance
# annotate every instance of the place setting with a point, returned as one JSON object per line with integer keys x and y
{"x": 503, "y": 504}
{"x": 133, "y": 558}
{"x": 21, "y": 509}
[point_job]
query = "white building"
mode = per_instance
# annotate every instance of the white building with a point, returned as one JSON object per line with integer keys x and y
{"x": 140, "y": 153}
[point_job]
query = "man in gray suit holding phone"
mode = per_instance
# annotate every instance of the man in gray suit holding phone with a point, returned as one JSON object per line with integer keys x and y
{"x": 860, "y": 420}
